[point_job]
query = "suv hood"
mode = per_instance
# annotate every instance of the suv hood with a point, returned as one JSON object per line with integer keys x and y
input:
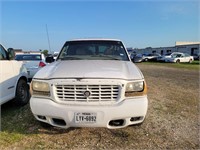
{"x": 90, "y": 69}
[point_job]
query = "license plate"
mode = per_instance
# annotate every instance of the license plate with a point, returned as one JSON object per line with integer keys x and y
{"x": 85, "y": 117}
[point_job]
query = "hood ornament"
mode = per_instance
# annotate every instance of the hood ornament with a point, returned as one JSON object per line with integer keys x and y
{"x": 86, "y": 94}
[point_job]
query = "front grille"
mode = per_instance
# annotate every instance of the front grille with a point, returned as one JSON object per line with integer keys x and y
{"x": 95, "y": 93}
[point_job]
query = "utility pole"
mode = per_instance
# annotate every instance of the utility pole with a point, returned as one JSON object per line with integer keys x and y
{"x": 48, "y": 39}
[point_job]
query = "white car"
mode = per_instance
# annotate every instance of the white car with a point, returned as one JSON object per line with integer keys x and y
{"x": 33, "y": 62}
{"x": 13, "y": 79}
{"x": 55, "y": 55}
{"x": 166, "y": 56}
{"x": 151, "y": 57}
{"x": 181, "y": 57}
{"x": 93, "y": 83}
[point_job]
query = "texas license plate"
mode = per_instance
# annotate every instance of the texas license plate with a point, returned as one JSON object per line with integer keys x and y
{"x": 85, "y": 117}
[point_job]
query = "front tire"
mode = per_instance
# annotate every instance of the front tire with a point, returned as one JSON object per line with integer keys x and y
{"x": 178, "y": 61}
{"x": 22, "y": 93}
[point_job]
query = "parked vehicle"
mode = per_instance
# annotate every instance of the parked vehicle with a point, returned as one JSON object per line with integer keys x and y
{"x": 168, "y": 55}
{"x": 93, "y": 83}
{"x": 137, "y": 58}
{"x": 151, "y": 57}
{"x": 55, "y": 55}
{"x": 196, "y": 56}
{"x": 181, "y": 57}
{"x": 33, "y": 62}
{"x": 13, "y": 79}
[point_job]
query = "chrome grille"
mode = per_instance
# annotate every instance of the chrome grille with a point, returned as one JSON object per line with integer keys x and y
{"x": 98, "y": 93}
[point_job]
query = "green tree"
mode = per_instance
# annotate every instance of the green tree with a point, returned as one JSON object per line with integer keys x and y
{"x": 45, "y": 52}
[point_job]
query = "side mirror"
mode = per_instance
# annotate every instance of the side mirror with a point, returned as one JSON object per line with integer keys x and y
{"x": 49, "y": 59}
{"x": 11, "y": 53}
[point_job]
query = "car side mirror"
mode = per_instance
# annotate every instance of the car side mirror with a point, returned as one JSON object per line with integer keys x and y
{"x": 11, "y": 53}
{"x": 49, "y": 59}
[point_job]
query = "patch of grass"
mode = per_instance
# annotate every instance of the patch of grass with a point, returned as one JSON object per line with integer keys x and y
{"x": 16, "y": 119}
{"x": 195, "y": 65}
{"x": 17, "y": 123}
{"x": 9, "y": 138}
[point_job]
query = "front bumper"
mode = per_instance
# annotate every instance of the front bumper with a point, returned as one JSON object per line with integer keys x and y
{"x": 170, "y": 60}
{"x": 127, "y": 112}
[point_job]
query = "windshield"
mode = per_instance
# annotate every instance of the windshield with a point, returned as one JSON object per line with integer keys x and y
{"x": 28, "y": 57}
{"x": 176, "y": 55}
{"x": 93, "y": 50}
{"x": 168, "y": 54}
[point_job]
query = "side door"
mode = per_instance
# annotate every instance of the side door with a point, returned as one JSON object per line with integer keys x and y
{"x": 7, "y": 77}
{"x": 187, "y": 57}
{"x": 182, "y": 58}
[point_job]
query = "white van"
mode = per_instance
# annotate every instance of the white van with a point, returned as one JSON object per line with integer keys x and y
{"x": 13, "y": 79}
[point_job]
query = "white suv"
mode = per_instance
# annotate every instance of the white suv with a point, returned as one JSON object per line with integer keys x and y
{"x": 13, "y": 79}
{"x": 92, "y": 83}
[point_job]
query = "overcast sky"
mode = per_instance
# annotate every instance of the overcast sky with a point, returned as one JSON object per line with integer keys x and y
{"x": 139, "y": 24}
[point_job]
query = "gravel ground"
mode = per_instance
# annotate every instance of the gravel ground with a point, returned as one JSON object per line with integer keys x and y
{"x": 172, "y": 121}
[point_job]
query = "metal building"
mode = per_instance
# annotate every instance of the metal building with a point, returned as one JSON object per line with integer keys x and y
{"x": 192, "y": 48}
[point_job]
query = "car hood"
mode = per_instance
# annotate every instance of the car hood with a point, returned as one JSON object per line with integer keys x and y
{"x": 90, "y": 69}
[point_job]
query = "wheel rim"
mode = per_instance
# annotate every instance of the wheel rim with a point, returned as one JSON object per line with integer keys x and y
{"x": 22, "y": 92}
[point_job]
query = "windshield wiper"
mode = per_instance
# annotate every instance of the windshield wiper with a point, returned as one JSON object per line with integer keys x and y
{"x": 70, "y": 58}
{"x": 106, "y": 56}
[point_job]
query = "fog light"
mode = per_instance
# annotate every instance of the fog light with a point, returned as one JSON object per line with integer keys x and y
{"x": 119, "y": 122}
{"x": 136, "y": 118}
{"x": 42, "y": 117}
{"x": 59, "y": 122}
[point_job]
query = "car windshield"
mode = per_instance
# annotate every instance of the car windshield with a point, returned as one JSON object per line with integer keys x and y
{"x": 168, "y": 54}
{"x": 176, "y": 55}
{"x": 55, "y": 54}
{"x": 28, "y": 57}
{"x": 93, "y": 50}
{"x": 138, "y": 55}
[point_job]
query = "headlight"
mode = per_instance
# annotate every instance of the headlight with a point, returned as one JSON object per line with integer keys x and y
{"x": 135, "y": 86}
{"x": 40, "y": 88}
{"x": 136, "y": 89}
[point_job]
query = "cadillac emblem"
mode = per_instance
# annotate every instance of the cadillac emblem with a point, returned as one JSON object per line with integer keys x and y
{"x": 86, "y": 93}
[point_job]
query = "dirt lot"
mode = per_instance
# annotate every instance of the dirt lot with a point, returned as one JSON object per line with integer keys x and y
{"x": 172, "y": 121}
